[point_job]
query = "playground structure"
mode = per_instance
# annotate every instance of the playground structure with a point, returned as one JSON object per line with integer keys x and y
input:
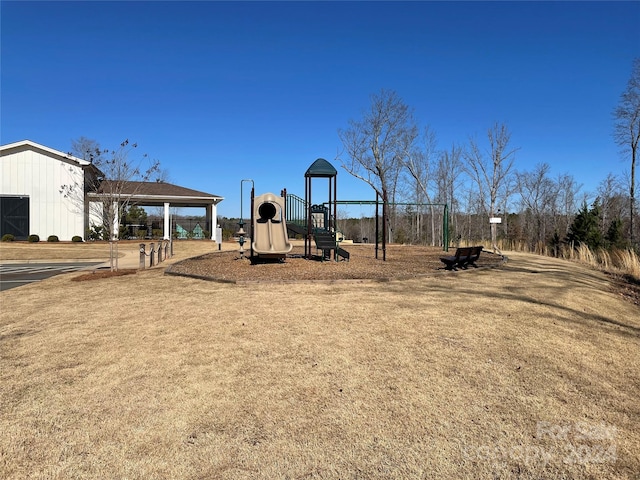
{"x": 273, "y": 217}
{"x": 321, "y": 224}
{"x": 269, "y": 238}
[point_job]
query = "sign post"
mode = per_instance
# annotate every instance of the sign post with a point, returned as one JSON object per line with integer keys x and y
{"x": 493, "y": 221}
{"x": 219, "y": 237}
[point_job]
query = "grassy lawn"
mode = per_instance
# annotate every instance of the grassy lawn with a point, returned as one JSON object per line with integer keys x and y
{"x": 527, "y": 371}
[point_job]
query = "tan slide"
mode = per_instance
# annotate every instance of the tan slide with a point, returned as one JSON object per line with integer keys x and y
{"x": 270, "y": 237}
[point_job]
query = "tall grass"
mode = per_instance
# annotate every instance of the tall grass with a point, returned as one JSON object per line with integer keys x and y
{"x": 623, "y": 262}
{"x": 628, "y": 261}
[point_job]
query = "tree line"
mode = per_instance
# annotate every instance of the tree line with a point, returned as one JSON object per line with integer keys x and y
{"x": 403, "y": 164}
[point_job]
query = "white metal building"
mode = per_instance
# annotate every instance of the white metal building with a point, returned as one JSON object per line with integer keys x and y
{"x": 33, "y": 199}
{"x": 31, "y": 176}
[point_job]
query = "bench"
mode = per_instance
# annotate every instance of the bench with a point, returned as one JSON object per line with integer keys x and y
{"x": 463, "y": 257}
{"x": 474, "y": 256}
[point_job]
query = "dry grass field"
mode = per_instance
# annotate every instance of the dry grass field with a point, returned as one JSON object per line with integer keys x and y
{"x": 22, "y": 251}
{"x": 528, "y": 371}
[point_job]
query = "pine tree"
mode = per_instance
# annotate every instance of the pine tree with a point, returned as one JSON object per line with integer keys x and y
{"x": 614, "y": 237}
{"x": 584, "y": 230}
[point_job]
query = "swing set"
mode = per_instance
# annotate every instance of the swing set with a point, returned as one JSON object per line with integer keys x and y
{"x": 319, "y": 221}
{"x": 379, "y": 203}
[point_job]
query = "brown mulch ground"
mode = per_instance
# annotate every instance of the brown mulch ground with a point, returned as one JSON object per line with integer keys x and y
{"x": 98, "y": 274}
{"x": 402, "y": 261}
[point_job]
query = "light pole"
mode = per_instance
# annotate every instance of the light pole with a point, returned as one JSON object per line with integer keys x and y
{"x": 241, "y": 232}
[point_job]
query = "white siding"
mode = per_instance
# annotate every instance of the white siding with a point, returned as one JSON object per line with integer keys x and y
{"x": 40, "y": 177}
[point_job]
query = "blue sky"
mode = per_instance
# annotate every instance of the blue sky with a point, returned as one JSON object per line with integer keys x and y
{"x": 224, "y": 91}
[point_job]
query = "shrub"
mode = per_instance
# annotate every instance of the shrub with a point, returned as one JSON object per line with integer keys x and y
{"x": 33, "y": 238}
{"x": 7, "y": 237}
{"x": 76, "y": 239}
{"x": 53, "y": 238}
{"x": 97, "y": 232}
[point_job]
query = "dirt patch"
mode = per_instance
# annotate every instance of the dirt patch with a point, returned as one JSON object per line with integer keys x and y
{"x": 402, "y": 261}
{"x": 98, "y": 274}
{"x": 627, "y": 287}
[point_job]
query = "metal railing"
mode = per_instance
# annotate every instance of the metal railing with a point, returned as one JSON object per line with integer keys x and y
{"x": 295, "y": 210}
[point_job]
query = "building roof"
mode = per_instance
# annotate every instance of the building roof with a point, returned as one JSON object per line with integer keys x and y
{"x": 158, "y": 193}
{"x": 23, "y": 145}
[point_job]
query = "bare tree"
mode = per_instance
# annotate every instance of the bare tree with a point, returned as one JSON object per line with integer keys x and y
{"x": 162, "y": 175}
{"x": 492, "y": 175}
{"x": 447, "y": 175}
{"x": 377, "y": 144}
{"x": 627, "y": 132}
{"x": 419, "y": 163}
{"x": 568, "y": 190}
{"x": 83, "y": 181}
{"x": 472, "y": 205}
{"x": 110, "y": 193}
{"x": 538, "y": 197}
{"x": 612, "y": 200}
{"x": 87, "y": 149}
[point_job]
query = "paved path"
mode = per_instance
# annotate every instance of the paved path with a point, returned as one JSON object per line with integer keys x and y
{"x": 17, "y": 274}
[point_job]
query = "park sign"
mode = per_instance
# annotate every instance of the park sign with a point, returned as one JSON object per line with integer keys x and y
{"x": 495, "y": 220}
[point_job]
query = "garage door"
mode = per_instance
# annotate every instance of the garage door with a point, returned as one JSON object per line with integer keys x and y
{"x": 14, "y": 217}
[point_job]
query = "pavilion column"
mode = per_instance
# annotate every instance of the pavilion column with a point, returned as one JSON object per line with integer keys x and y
{"x": 167, "y": 223}
{"x": 116, "y": 221}
{"x": 212, "y": 219}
